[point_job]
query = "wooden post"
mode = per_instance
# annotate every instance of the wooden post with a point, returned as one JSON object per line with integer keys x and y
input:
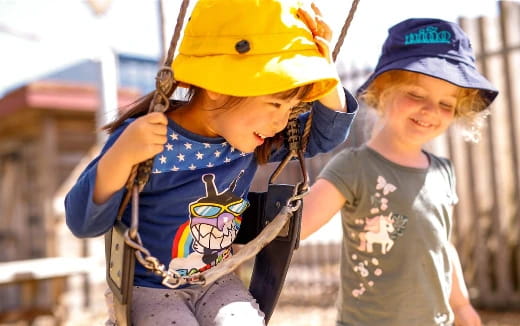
{"x": 47, "y": 181}
{"x": 509, "y": 24}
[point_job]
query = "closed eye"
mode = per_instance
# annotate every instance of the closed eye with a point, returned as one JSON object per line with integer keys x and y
{"x": 276, "y": 105}
{"x": 415, "y": 96}
{"x": 446, "y": 106}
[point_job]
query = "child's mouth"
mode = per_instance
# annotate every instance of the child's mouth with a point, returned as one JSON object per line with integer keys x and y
{"x": 422, "y": 124}
{"x": 260, "y": 135}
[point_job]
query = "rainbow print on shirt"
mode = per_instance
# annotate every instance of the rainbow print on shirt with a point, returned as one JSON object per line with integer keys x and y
{"x": 182, "y": 241}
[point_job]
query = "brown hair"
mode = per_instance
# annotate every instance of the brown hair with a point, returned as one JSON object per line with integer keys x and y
{"x": 262, "y": 153}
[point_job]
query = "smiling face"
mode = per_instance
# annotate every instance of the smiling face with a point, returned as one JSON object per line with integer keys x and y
{"x": 246, "y": 125}
{"x": 415, "y": 113}
{"x": 245, "y": 122}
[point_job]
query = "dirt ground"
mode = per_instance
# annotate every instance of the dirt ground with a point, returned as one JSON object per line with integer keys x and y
{"x": 309, "y": 316}
{"x": 317, "y": 316}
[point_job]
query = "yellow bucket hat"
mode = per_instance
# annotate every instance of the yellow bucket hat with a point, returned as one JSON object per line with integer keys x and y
{"x": 251, "y": 48}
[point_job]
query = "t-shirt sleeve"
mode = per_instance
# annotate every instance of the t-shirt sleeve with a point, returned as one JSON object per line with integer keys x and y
{"x": 83, "y": 216}
{"x": 341, "y": 172}
{"x": 329, "y": 128}
{"x": 453, "y": 183}
{"x": 447, "y": 166}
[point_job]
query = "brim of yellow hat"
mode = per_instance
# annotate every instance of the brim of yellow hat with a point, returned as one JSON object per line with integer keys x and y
{"x": 259, "y": 74}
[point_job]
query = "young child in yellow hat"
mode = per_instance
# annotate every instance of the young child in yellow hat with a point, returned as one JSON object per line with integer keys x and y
{"x": 398, "y": 266}
{"x": 247, "y": 64}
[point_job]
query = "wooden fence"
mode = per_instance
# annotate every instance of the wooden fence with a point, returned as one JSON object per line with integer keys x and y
{"x": 487, "y": 219}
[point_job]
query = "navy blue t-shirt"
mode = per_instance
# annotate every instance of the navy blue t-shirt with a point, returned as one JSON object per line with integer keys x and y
{"x": 191, "y": 209}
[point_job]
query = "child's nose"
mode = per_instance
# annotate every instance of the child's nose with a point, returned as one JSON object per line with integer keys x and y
{"x": 428, "y": 106}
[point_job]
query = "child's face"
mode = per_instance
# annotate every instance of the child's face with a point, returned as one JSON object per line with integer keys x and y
{"x": 246, "y": 125}
{"x": 416, "y": 113}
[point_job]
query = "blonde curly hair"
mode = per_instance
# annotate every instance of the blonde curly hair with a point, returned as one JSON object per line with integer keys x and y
{"x": 470, "y": 111}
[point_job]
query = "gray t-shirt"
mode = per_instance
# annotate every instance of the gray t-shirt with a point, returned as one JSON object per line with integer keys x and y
{"x": 395, "y": 268}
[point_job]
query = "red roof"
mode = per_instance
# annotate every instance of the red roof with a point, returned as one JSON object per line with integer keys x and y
{"x": 53, "y": 95}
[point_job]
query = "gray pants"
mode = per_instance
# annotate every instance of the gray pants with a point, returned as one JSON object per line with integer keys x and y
{"x": 225, "y": 302}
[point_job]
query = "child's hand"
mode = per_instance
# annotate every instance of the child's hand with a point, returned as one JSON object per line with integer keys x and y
{"x": 466, "y": 315}
{"x": 320, "y": 30}
{"x": 143, "y": 138}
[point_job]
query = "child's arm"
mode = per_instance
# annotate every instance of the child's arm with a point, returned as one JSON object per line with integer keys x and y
{"x": 319, "y": 206}
{"x": 335, "y": 100}
{"x": 141, "y": 140}
{"x": 465, "y": 314}
{"x": 92, "y": 203}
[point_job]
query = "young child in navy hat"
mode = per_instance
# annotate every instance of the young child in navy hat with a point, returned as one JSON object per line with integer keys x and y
{"x": 398, "y": 266}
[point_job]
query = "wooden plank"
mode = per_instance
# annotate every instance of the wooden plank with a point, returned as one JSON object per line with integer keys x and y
{"x": 44, "y": 268}
{"x": 501, "y": 167}
{"x": 20, "y": 126}
{"x": 11, "y": 208}
{"x": 465, "y": 211}
{"x": 474, "y": 166}
{"x": 509, "y": 22}
{"x": 47, "y": 181}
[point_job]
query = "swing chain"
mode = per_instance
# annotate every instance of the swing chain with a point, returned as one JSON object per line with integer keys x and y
{"x": 164, "y": 83}
{"x": 171, "y": 278}
{"x": 294, "y": 143}
{"x": 300, "y": 191}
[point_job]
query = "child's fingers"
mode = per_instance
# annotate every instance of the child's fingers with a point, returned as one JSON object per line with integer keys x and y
{"x": 155, "y": 123}
{"x": 156, "y": 118}
{"x": 316, "y": 9}
{"x": 158, "y": 129}
{"x": 159, "y": 140}
{"x": 323, "y": 29}
{"x": 315, "y": 23}
{"x": 308, "y": 20}
{"x": 323, "y": 47}
{"x": 155, "y": 149}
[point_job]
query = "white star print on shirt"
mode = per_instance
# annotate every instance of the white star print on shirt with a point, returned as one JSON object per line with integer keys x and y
{"x": 184, "y": 154}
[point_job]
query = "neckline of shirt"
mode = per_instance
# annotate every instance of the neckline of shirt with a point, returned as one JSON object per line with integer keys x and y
{"x": 399, "y": 166}
{"x": 193, "y": 136}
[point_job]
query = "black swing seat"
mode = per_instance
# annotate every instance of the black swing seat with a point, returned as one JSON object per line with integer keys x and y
{"x": 272, "y": 262}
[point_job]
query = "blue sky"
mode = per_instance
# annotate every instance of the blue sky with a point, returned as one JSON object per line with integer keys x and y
{"x": 54, "y": 32}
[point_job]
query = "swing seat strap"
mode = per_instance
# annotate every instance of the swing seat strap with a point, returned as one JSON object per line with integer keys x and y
{"x": 272, "y": 262}
{"x": 120, "y": 262}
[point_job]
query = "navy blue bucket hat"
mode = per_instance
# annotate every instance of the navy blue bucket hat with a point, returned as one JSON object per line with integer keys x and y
{"x": 433, "y": 47}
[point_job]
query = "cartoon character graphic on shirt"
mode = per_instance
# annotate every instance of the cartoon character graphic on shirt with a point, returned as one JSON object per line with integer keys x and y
{"x": 378, "y": 236}
{"x": 378, "y": 230}
{"x": 213, "y": 226}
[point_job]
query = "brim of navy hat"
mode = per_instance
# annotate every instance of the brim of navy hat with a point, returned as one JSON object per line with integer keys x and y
{"x": 454, "y": 72}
